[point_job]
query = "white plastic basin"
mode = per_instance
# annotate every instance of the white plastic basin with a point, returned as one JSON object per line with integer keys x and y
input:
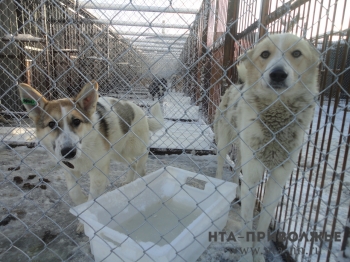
{"x": 164, "y": 216}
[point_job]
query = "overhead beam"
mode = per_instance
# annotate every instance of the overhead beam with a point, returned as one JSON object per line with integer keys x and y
{"x": 157, "y": 46}
{"x": 168, "y": 37}
{"x": 148, "y": 52}
{"x": 166, "y": 51}
{"x": 137, "y": 8}
{"x": 171, "y": 59}
{"x": 168, "y": 55}
{"x": 150, "y": 48}
{"x": 159, "y": 41}
{"x": 160, "y": 52}
{"x": 139, "y": 24}
{"x": 153, "y": 35}
{"x": 160, "y": 55}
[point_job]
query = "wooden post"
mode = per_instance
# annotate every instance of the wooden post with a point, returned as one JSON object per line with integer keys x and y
{"x": 265, "y": 6}
{"x": 346, "y": 236}
{"x": 29, "y": 71}
{"x": 217, "y": 69}
{"x": 202, "y": 49}
{"x": 229, "y": 47}
{"x": 48, "y": 53}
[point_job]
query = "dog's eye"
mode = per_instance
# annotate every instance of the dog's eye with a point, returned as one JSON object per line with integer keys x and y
{"x": 265, "y": 54}
{"x": 76, "y": 122}
{"x": 296, "y": 53}
{"x": 52, "y": 124}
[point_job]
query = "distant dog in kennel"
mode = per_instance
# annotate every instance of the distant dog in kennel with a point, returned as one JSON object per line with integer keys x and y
{"x": 267, "y": 117}
{"x": 83, "y": 133}
{"x": 158, "y": 88}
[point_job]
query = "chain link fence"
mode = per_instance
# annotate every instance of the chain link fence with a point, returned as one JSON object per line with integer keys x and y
{"x": 187, "y": 51}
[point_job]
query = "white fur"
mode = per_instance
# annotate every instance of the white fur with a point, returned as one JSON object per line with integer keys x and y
{"x": 267, "y": 123}
{"x": 67, "y": 137}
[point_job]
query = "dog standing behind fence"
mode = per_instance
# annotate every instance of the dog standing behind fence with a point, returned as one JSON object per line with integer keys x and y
{"x": 84, "y": 133}
{"x": 158, "y": 88}
{"x": 267, "y": 117}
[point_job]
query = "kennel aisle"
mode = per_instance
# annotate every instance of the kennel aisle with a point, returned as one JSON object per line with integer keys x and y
{"x": 184, "y": 130}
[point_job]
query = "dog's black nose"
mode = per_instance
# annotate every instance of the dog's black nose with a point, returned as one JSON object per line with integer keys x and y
{"x": 278, "y": 75}
{"x": 68, "y": 152}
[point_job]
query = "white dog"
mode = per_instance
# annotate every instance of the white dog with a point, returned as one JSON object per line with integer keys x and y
{"x": 267, "y": 118}
{"x": 84, "y": 133}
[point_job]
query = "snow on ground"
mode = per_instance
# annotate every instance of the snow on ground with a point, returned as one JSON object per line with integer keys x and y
{"x": 184, "y": 130}
{"x": 183, "y": 135}
{"x": 41, "y": 227}
{"x": 23, "y": 134}
{"x": 177, "y": 106}
{"x": 309, "y": 193}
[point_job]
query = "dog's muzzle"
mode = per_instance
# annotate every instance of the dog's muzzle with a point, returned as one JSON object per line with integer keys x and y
{"x": 68, "y": 152}
{"x": 278, "y": 77}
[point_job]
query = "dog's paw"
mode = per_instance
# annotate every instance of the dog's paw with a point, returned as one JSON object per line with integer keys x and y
{"x": 125, "y": 183}
{"x": 80, "y": 228}
{"x": 259, "y": 258}
{"x": 128, "y": 179}
{"x": 238, "y": 192}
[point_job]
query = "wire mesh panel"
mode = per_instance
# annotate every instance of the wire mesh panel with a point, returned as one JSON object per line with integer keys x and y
{"x": 67, "y": 70}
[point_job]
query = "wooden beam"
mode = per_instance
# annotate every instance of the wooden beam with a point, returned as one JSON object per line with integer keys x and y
{"x": 281, "y": 11}
{"x": 136, "y": 8}
{"x": 153, "y": 35}
{"x": 263, "y": 18}
{"x": 171, "y": 47}
{"x": 158, "y": 42}
{"x": 229, "y": 46}
{"x": 139, "y": 24}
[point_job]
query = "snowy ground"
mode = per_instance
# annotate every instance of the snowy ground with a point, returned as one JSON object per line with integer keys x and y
{"x": 309, "y": 193}
{"x": 41, "y": 227}
{"x": 183, "y": 135}
{"x": 175, "y": 106}
{"x": 36, "y": 223}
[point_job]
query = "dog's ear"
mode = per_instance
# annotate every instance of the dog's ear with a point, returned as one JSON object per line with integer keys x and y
{"x": 32, "y": 100}
{"x": 88, "y": 96}
{"x": 315, "y": 53}
{"x": 246, "y": 56}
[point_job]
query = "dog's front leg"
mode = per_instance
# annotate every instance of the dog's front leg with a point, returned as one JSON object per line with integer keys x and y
{"x": 273, "y": 192}
{"x": 75, "y": 192}
{"x": 130, "y": 176}
{"x": 74, "y": 188}
{"x": 223, "y": 146}
{"x": 99, "y": 178}
{"x": 141, "y": 166}
{"x": 252, "y": 174}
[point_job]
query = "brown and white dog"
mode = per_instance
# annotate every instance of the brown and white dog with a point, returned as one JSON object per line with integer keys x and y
{"x": 267, "y": 118}
{"x": 84, "y": 133}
